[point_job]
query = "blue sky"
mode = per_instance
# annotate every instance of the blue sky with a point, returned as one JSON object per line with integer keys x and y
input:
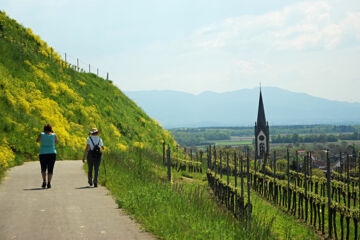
{"x": 196, "y": 46}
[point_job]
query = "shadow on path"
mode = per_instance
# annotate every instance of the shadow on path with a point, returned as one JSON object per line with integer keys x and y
{"x": 34, "y": 189}
{"x": 86, "y": 187}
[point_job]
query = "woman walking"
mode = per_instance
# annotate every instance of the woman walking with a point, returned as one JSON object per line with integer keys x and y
{"x": 47, "y": 154}
{"x": 92, "y": 150}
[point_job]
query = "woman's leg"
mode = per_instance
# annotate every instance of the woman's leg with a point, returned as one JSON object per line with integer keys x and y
{"x": 51, "y": 163}
{"x": 43, "y": 166}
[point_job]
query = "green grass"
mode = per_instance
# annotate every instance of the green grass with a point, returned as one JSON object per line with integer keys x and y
{"x": 185, "y": 209}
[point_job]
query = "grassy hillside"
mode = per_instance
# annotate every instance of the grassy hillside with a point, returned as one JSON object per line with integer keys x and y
{"x": 37, "y": 87}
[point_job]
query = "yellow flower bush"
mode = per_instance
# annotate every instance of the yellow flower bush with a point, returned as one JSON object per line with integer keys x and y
{"x": 122, "y": 147}
{"x": 138, "y": 145}
{"x": 6, "y": 155}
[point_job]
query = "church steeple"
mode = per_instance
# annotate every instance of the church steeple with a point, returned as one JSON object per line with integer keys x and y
{"x": 261, "y": 120}
{"x": 262, "y": 134}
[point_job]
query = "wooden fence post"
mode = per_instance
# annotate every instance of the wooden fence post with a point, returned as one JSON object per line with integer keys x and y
{"x": 297, "y": 169}
{"x": 305, "y": 185}
{"x": 215, "y": 167}
{"x": 248, "y": 187}
{"x": 328, "y": 173}
{"x": 227, "y": 168}
{"x": 220, "y": 164}
{"x": 169, "y": 163}
{"x": 274, "y": 185}
{"x": 358, "y": 158}
{"x": 288, "y": 178}
{"x": 235, "y": 166}
{"x": 348, "y": 178}
{"x": 209, "y": 157}
{"x": 242, "y": 176}
{"x": 164, "y": 153}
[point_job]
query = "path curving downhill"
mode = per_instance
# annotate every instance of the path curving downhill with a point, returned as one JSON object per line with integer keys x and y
{"x": 69, "y": 210}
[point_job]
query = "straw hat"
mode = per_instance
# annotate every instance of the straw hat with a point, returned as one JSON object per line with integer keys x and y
{"x": 93, "y": 131}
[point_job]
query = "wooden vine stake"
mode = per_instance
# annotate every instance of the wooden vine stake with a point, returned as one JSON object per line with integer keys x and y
{"x": 164, "y": 153}
{"x": 227, "y": 168}
{"x": 274, "y": 185}
{"x": 288, "y": 178}
{"x": 242, "y": 176}
{"x": 169, "y": 163}
{"x": 248, "y": 189}
{"x": 328, "y": 173}
{"x": 215, "y": 168}
{"x": 220, "y": 164}
{"x": 236, "y": 172}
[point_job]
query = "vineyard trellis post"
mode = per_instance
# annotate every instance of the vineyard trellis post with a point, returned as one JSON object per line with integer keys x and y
{"x": 305, "y": 184}
{"x": 215, "y": 167}
{"x": 227, "y": 168}
{"x": 164, "y": 153}
{"x": 358, "y": 158}
{"x": 297, "y": 168}
{"x": 328, "y": 173}
{"x": 242, "y": 176}
{"x": 235, "y": 166}
{"x": 220, "y": 164}
{"x": 169, "y": 163}
{"x": 310, "y": 170}
{"x": 209, "y": 156}
{"x": 248, "y": 187}
{"x": 348, "y": 178}
{"x": 274, "y": 184}
{"x": 288, "y": 178}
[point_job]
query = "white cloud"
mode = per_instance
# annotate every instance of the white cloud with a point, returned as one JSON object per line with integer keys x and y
{"x": 301, "y": 26}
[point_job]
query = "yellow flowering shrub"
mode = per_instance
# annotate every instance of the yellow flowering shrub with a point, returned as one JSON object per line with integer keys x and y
{"x": 138, "y": 145}
{"x": 6, "y": 155}
{"x": 81, "y": 83}
{"x": 122, "y": 147}
{"x": 114, "y": 131}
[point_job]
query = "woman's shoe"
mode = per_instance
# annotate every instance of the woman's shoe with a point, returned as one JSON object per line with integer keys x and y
{"x": 90, "y": 183}
{"x": 48, "y": 185}
{"x": 44, "y": 184}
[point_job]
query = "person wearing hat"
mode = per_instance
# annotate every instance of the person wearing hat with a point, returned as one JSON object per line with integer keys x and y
{"x": 92, "y": 150}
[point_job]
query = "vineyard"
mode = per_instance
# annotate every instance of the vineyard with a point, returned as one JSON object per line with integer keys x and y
{"x": 329, "y": 203}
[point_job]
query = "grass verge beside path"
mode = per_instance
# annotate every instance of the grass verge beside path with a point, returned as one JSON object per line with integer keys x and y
{"x": 182, "y": 210}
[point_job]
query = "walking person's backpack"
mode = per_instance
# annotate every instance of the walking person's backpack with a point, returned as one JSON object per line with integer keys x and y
{"x": 96, "y": 150}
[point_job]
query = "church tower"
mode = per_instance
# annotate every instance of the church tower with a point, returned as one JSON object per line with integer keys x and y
{"x": 262, "y": 135}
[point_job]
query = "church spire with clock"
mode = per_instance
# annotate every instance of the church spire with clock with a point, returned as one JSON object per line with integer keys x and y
{"x": 262, "y": 135}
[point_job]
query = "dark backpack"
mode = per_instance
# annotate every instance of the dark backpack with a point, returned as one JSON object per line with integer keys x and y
{"x": 96, "y": 150}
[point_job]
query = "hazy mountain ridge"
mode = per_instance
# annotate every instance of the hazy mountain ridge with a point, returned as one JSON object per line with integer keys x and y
{"x": 239, "y": 108}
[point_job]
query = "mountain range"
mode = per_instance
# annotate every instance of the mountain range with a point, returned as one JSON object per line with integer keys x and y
{"x": 239, "y": 108}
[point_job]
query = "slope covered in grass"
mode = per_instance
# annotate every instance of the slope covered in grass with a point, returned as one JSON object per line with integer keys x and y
{"x": 37, "y": 87}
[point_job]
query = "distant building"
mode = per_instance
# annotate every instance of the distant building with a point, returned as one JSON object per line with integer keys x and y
{"x": 262, "y": 134}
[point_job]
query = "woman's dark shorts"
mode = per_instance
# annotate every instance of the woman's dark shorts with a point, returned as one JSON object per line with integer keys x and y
{"x": 47, "y": 161}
